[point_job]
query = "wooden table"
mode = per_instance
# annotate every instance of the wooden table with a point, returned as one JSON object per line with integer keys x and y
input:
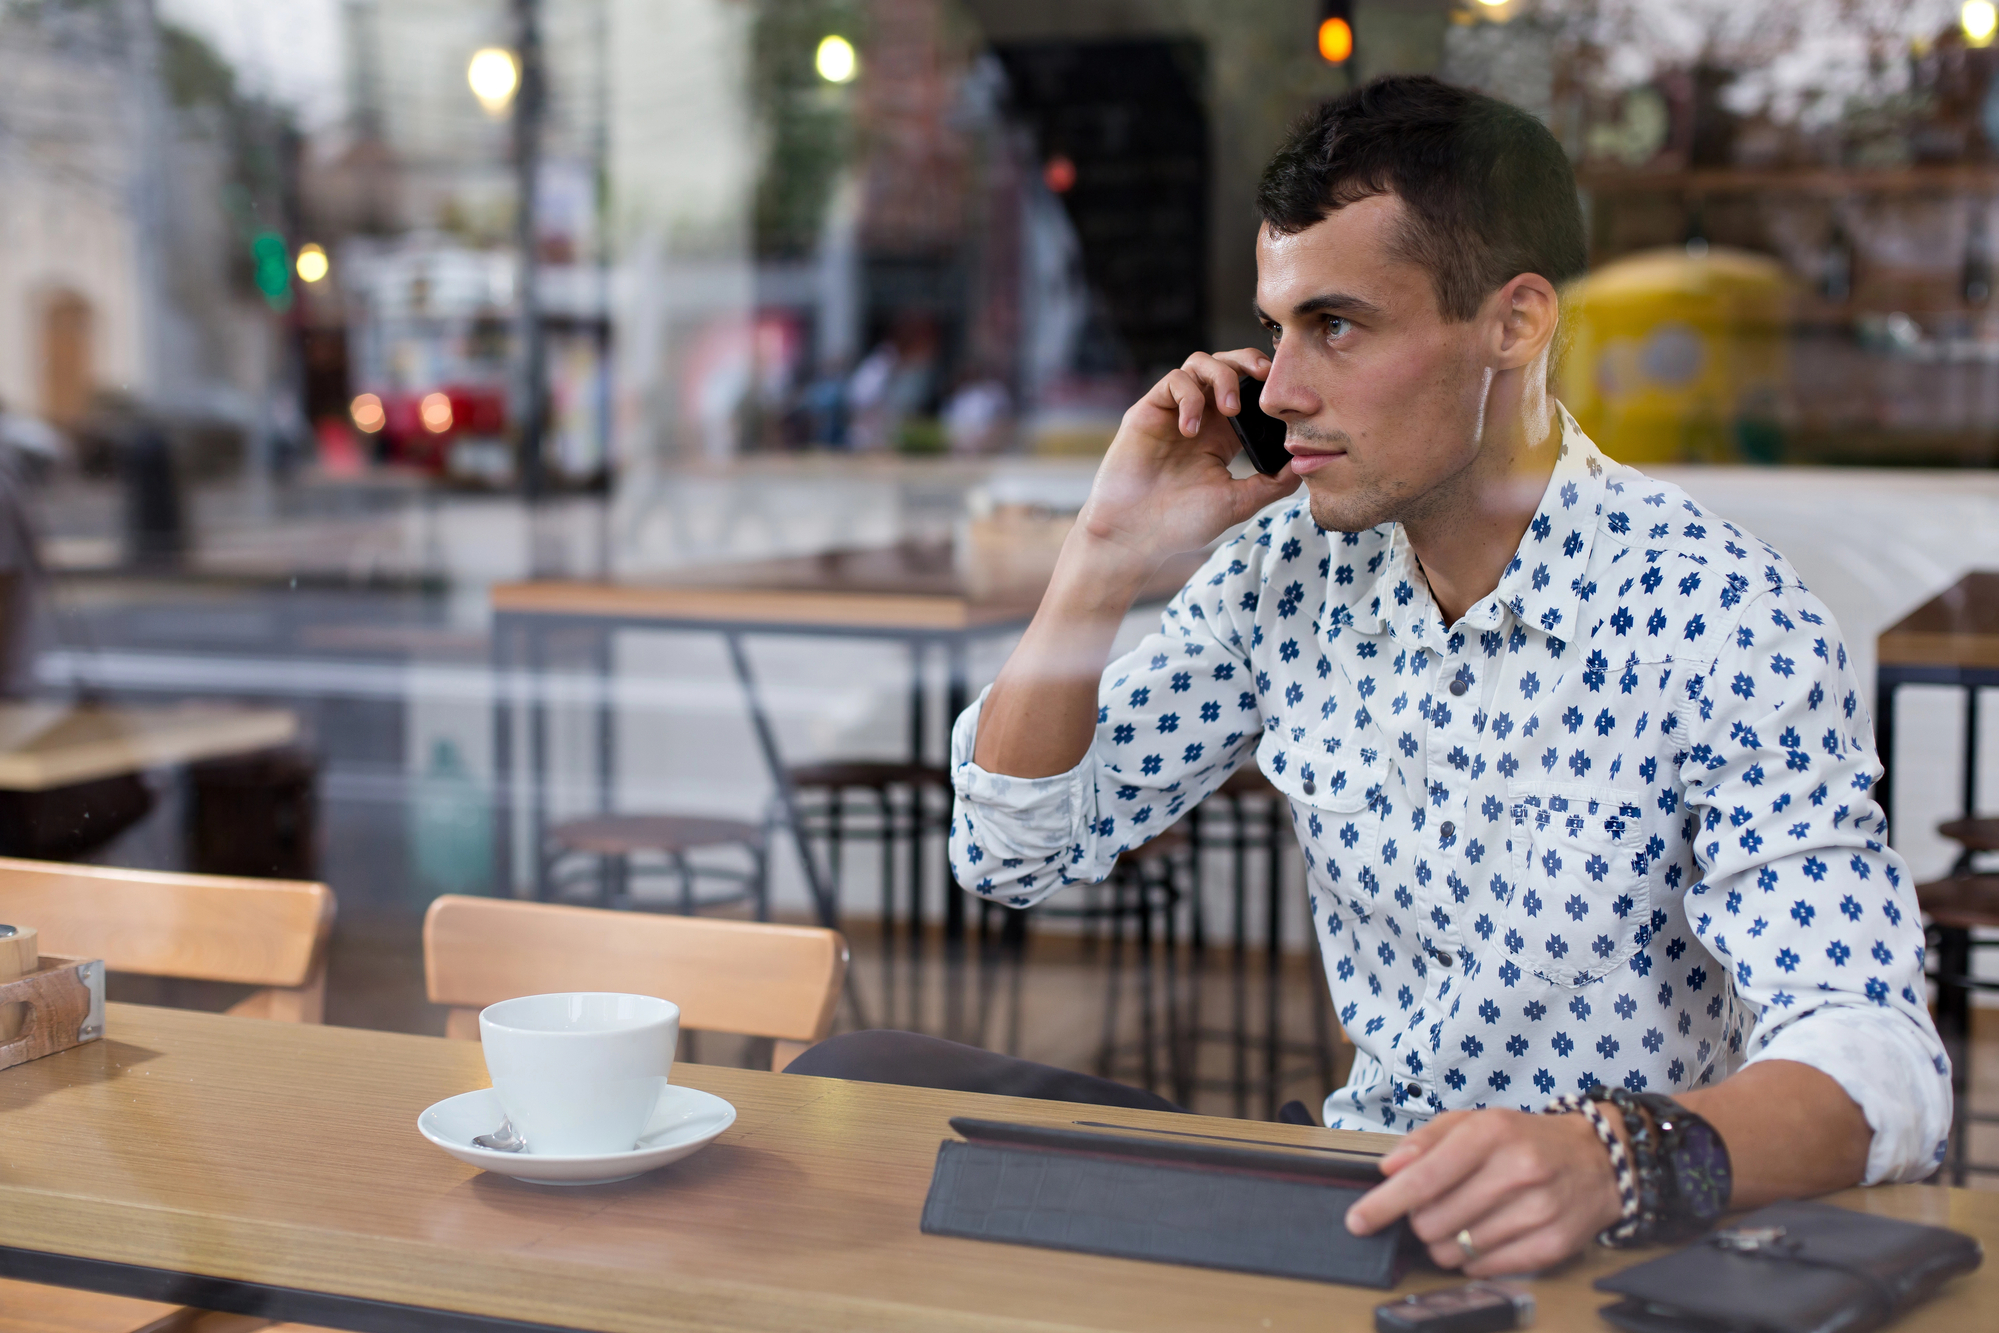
{"x": 909, "y": 594}
{"x": 1952, "y": 639}
{"x": 276, "y": 1169}
{"x": 44, "y": 745}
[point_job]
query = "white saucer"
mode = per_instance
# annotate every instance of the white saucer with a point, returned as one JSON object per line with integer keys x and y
{"x": 685, "y": 1121}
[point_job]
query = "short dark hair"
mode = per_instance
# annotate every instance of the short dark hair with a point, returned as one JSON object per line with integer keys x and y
{"x": 1489, "y": 192}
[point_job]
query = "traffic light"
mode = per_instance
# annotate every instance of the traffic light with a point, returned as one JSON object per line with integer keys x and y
{"x": 1336, "y": 31}
{"x": 273, "y": 272}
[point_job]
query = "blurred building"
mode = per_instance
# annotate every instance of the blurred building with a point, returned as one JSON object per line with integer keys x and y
{"x": 134, "y": 183}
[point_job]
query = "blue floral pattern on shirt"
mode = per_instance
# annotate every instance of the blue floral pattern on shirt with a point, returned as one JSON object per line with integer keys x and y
{"x": 1612, "y": 826}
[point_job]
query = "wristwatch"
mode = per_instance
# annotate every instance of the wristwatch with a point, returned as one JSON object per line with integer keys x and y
{"x": 1684, "y": 1175}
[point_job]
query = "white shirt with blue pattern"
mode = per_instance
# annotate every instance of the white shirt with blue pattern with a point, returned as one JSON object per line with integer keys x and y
{"x": 1615, "y": 825}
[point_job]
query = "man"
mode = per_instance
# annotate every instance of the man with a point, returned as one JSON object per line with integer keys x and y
{"x": 1580, "y": 770}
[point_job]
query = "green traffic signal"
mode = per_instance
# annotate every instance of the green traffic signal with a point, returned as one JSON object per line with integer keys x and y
{"x": 273, "y": 274}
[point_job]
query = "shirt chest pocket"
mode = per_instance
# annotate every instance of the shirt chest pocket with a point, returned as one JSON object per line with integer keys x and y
{"x": 1579, "y": 905}
{"x": 1336, "y": 804}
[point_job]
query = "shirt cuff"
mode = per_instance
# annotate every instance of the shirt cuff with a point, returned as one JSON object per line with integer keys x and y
{"x": 1030, "y": 816}
{"x": 1883, "y": 1063}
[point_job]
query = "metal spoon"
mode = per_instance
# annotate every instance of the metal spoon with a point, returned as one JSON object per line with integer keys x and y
{"x": 504, "y": 1139}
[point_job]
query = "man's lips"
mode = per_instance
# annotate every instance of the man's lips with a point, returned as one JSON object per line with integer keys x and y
{"x": 1304, "y": 462}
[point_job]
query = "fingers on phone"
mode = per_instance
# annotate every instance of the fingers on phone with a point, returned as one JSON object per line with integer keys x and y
{"x": 1246, "y": 361}
{"x": 1189, "y": 399}
{"x": 1221, "y": 378}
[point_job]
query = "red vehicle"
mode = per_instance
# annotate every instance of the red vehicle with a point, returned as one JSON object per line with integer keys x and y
{"x": 418, "y": 429}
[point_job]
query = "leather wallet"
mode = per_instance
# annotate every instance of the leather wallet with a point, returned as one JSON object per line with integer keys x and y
{"x": 1791, "y": 1268}
{"x": 1169, "y": 1197}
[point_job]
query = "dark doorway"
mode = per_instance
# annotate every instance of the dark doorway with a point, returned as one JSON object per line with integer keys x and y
{"x": 1123, "y": 138}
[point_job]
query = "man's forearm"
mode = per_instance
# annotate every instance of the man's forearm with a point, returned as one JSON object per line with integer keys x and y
{"x": 1791, "y": 1131}
{"x": 1042, "y": 710}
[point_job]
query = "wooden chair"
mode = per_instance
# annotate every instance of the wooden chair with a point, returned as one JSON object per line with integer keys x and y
{"x": 267, "y": 933}
{"x": 746, "y": 977}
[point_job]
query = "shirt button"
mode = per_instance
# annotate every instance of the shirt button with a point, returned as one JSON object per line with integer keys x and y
{"x": 1440, "y": 956}
{"x": 1459, "y": 685}
{"x": 1447, "y": 829}
{"x": 1310, "y": 786}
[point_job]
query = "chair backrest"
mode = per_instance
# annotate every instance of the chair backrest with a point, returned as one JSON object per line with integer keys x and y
{"x": 747, "y": 977}
{"x": 270, "y": 933}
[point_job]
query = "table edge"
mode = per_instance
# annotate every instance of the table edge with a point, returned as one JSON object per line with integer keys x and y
{"x": 357, "y": 1314}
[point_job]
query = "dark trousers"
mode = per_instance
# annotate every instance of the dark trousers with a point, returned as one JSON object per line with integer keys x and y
{"x": 917, "y": 1061}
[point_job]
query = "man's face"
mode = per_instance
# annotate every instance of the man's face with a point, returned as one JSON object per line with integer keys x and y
{"x": 1383, "y": 395}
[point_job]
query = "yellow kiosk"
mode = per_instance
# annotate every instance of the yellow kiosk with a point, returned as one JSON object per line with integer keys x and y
{"x": 1678, "y": 355}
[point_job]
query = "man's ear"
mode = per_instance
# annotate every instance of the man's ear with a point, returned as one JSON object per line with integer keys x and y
{"x": 1525, "y": 314}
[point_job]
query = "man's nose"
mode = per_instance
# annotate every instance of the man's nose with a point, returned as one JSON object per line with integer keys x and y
{"x": 1285, "y": 393}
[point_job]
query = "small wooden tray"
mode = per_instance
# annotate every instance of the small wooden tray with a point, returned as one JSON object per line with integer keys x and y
{"x": 65, "y": 999}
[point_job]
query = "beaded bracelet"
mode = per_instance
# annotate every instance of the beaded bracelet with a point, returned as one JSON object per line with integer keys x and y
{"x": 1621, "y": 1231}
{"x": 1655, "y": 1182}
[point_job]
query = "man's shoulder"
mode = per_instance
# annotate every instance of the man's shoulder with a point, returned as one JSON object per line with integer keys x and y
{"x": 1672, "y": 546}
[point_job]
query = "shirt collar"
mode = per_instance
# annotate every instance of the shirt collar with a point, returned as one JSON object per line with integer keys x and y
{"x": 1543, "y": 585}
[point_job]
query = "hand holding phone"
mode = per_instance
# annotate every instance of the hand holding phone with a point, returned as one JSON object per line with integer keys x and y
{"x": 1262, "y": 435}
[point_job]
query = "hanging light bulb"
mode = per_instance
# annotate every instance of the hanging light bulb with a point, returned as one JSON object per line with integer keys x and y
{"x": 312, "y": 263}
{"x": 1979, "y": 19}
{"x": 494, "y": 77}
{"x": 835, "y": 60}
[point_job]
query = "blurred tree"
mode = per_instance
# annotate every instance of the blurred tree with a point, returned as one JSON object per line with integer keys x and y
{"x": 808, "y": 121}
{"x": 260, "y": 145}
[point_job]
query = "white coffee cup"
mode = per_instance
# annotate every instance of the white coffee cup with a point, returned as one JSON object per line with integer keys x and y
{"x": 579, "y": 1073}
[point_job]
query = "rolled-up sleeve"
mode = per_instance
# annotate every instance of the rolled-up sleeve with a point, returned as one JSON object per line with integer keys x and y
{"x": 1175, "y": 716}
{"x": 1812, "y": 913}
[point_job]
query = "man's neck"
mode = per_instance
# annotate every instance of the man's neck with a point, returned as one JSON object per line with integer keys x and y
{"x": 1467, "y": 536}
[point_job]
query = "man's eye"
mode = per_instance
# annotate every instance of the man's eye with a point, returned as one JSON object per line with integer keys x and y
{"x": 1335, "y": 326}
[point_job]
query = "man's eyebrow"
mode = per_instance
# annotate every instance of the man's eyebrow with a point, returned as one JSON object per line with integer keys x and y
{"x": 1337, "y": 303}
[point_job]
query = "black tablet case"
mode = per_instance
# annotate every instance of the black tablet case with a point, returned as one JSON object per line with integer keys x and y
{"x": 1181, "y": 1200}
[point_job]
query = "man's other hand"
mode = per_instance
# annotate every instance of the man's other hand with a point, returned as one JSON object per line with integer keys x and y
{"x": 1164, "y": 486}
{"x": 1531, "y": 1190}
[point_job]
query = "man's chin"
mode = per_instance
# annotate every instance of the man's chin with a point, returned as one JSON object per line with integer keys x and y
{"x": 1346, "y": 510}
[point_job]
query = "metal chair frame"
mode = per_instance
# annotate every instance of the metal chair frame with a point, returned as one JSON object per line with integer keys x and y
{"x": 1955, "y": 951}
{"x": 899, "y": 809}
{"x": 1242, "y": 821}
{"x": 608, "y": 877}
{"x": 1144, "y": 888}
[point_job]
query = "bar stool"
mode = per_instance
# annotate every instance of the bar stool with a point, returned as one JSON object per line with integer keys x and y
{"x": 1143, "y": 893}
{"x": 1974, "y": 836}
{"x": 1956, "y": 905}
{"x": 612, "y": 841}
{"x": 895, "y": 807}
{"x": 1249, "y": 819}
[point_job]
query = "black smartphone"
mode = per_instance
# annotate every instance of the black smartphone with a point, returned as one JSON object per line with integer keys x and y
{"x": 1475, "y": 1307}
{"x": 1262, "y": 435}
